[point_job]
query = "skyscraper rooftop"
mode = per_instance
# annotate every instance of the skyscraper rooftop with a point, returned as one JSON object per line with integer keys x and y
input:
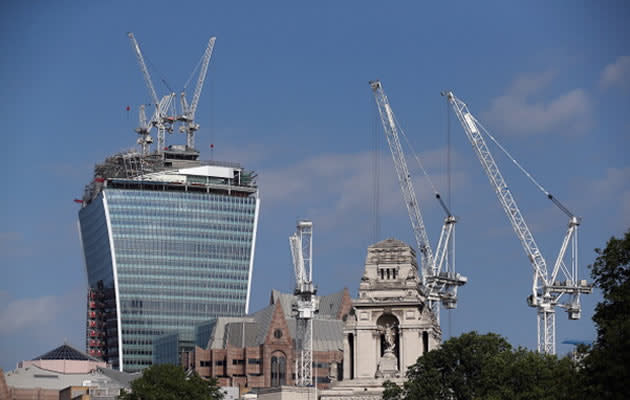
{"x": 172, "y": 169}
{"x": 168, "y": 243}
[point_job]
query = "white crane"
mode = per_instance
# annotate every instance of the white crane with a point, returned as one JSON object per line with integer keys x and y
{"x": 160, "y": 118}
{"x": 307, "y": 303}
{"x": 439, "y": 279}
{"x": 548, "y": 290}
{"x": 144, "y": 130}
{"x": 188, "y": 111}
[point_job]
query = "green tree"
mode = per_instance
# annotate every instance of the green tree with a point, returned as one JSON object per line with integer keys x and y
{"x": 607, "y": 364}
{"x": 170, "y": 382}
{"x": 474, "y": 366}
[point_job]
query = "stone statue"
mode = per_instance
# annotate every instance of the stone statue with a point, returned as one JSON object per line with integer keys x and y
{"x": 390, "y": 339}
{"x": 388, "y": 363}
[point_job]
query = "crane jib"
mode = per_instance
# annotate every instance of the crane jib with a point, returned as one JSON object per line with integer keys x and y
{"x": 440, "y": 287}
{"x": 547, "y": 291}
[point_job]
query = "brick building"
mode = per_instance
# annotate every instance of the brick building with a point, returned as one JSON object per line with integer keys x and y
{"x": 258, "y": 350}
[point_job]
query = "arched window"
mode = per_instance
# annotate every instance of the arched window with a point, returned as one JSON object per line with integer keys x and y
{"x": 278, "y": 369}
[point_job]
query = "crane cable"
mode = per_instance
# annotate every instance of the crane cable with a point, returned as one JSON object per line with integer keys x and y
{"x": 531, "y": 178}
{"x": 193, "y": 72}
{"x": 415, "y": 155}
{"x": 376, "y": 180}
{"x": 157, "y": 71}
{"x": 451, "y": 244}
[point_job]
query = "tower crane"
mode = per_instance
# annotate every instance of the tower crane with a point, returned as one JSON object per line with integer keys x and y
{"x": 439, "y": 279}
{"x": 548, "y": 290}
{"x": 307, "y": 303}
{"x": 160, "y": 118}
{"x": 188, "y": 110}
{"x": 144, "y": 130}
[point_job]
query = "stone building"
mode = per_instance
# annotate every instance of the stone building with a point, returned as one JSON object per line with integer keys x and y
{"x": 63, "y": 372}
{"x": 258, "y": 350}
{"x": 390, "y": 324}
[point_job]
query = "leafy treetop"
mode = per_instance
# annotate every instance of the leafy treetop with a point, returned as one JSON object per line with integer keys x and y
{"x": 170, "y": 382}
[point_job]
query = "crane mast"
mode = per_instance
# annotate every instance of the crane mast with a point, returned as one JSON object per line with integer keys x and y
{"x": 439, "y": 285}
{"x": 307, "y": 304}
{"x": 143, "y": 129}
{"x": 547, "y": 290}
{"x": 160, "y": 118}
{"x": 188, "y": 111}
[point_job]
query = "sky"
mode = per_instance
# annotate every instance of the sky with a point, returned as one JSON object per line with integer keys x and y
{"x": 287, "y": 96}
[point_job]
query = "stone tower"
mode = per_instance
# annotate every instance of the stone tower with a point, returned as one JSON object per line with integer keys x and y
{"x": 390, "y": 325}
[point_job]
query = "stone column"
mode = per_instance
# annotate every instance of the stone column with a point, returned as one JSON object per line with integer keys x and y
{"x": 402, "y": 356}
{"x": 376, "y": 337}
{"x": 346, "y": 357}
{"x": 365, "y": 354}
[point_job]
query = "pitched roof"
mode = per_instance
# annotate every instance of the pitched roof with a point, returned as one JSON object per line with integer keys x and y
{"x": 65, "y": 352}
{"x": 330, "y": 305}
{"x": 217, "y": 337}
{"x": 286, "y": 300}
{"x": 263, "y": 321}
{"x": 124, "y": 379}
{"x": 327, "y": 329}
{"x": 328, "y": 335}
{"x": 241, "y": 334}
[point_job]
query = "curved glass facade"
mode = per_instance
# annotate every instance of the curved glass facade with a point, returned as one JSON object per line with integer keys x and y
{"x": 180, "y": 258}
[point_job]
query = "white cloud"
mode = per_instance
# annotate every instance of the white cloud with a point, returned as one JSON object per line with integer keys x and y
{"x": 616, "y": 74}
{"x": 21, "y": 314}
{"x": 347, "y": 177}
{"x": 516, "y": 112}
{"x": 526, "y": 85}
{"x": 615, "y": 185}
{"x": 338, "y": 189}
{"x": 340, "y": 180}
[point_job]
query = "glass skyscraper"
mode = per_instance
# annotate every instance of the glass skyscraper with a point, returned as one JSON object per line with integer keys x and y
{"x": 168, "y": 243}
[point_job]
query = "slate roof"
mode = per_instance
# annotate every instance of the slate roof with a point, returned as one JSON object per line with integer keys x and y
{"x": 234, "y": 334}
{"x": 124, "y": 379}
{"x": 263, "y": 320}
{"x": 330, "y": 305}
{"x": 286, "y": 300}
{"x": 327, "y": 333}
{"x": 65, "y": 352}
{"x": 218, "y": 335}
{"x": 327, "y": 330}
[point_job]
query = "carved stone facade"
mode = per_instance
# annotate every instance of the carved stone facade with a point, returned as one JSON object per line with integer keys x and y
{"x": 390, "y": 325}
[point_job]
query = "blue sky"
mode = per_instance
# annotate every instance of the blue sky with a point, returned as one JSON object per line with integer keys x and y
{"x": 287, "y": 95}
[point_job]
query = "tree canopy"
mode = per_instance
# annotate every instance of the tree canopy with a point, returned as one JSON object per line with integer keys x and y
{"x": 606, "y": 365}
{"x": 474, "y": 366}
{"x": 170, "y": 382}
